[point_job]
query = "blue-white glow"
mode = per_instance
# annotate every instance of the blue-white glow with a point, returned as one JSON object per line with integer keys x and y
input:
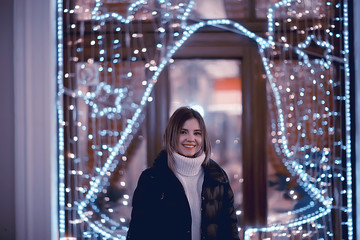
{"x": 321, "y": 203}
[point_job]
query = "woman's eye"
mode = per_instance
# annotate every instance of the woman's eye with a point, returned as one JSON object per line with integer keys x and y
{"x": 198, "y": 133}
{"x": 183, "y": 132}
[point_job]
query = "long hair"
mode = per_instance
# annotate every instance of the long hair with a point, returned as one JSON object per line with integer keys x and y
{"x": 175, "y": 124}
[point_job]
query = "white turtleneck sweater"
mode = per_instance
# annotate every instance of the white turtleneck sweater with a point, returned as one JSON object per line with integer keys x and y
{"x": 191, "y": 175}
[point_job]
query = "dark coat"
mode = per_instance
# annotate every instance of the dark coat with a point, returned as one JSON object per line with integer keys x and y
{"x": 161, "y": 210}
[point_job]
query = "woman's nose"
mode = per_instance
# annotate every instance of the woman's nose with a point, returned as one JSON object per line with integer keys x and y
{"x": 191, "y": 137}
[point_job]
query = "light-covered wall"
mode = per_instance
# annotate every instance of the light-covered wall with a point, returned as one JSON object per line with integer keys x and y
{"x": 28, "y": 119}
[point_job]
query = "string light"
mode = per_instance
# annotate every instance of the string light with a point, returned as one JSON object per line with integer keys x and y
{"x": 321, "y": 202}
{"x": 60, "y": 117}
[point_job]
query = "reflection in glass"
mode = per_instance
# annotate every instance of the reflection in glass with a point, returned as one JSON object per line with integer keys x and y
{"x": 215, "y": 9}
{"x": 309, "y": 8}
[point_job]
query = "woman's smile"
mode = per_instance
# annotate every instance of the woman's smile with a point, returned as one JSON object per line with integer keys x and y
{"x": 189, "y": 146}
{"x": 190, "y": 138}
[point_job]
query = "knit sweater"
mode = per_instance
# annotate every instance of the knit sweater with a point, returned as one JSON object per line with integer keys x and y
{"x": 191, "y": 175}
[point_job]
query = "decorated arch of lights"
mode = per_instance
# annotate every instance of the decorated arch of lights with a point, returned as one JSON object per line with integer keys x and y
{"x": 102, "y": 98}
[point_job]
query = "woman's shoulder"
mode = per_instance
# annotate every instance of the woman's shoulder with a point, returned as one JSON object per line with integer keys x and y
{"x": 157, "y": 169}
{"x": 214, "y": 166}
{"x": 216, "y": 172}
{"x": 148, "y": 173}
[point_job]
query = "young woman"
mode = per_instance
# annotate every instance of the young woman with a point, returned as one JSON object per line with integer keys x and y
{"x": 185, "y": 195}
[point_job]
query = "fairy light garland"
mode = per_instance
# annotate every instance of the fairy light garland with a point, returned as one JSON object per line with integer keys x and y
{"x": 98, "y": 182}
{"x": 60, "y": 116}
{"x": 349, "y": 177}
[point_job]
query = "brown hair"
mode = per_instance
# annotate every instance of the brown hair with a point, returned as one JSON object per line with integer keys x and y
{"x": 176, "y": 122}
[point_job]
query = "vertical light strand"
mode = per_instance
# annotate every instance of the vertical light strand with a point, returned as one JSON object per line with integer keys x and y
{"x": 60, "y": 116}
{"x": 349, "y": 177}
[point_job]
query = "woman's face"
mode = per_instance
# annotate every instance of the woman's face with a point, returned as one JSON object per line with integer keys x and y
{"x": 190, "y": 139}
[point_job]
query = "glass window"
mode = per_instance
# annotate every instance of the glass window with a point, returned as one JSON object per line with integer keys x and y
{"x": 215, "y": 9}
{"x": 213, "y": 87}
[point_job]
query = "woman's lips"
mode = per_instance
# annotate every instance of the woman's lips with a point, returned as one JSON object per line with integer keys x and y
{"x": 189, "y": 146}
